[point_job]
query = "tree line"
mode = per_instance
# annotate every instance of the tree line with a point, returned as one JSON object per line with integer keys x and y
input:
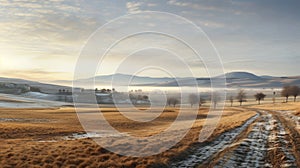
{"x": 288, "y": 91}
{"x": 194, "y": 99}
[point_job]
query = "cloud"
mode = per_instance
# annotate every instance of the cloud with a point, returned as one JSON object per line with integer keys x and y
{"x": 211, "y": 24}
{"x": 151, "y": 4}
{"x": 36, "y": 74}
{"x": 197, "y": 6}
{"x": 133, "y": 7}
{"x": 34, "y": 33}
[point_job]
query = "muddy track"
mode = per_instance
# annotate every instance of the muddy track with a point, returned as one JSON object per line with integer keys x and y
{"x": 265, "y": 140}
{"x": 293, "y": 133}
{"x": 204, "y": 153}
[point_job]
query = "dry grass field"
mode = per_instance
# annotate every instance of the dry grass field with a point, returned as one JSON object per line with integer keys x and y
{"x": 294, "y": 107}
{"x": 34, "y": 137}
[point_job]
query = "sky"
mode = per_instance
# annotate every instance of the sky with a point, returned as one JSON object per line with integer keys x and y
{"x": 42, "y": 40}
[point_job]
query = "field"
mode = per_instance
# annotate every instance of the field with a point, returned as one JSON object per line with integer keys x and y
{"x": 266, "y": 135}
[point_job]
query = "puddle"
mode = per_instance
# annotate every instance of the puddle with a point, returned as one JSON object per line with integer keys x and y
{"x": 32, "y": 120}
{"x": 42, "y": 141}
{"x": 76, "y": 136}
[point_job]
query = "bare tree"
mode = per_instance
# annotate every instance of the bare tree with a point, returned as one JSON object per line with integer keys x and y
{"x": 295, "y": 91}
{"x": 169, "y": 101}
{"x": 145, "y": 97}
{"x": 172, "y": 101}
{"x": 286, "y": 92}
{"x": 259, "y": 96}
{"x": 193, "y": 99}
{"x": 241, "y": 97}
{"x": 215, "y": 99}
{"x": 103, "y": 90}
{"x": 133, "y": 98}
{"x": 231, "y": 100}
{"x": 175, "y": 101}
{"x": 274, "y": 96}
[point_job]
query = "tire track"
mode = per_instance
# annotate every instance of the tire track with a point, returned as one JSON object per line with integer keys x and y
{"x": 252, "y": 150}
{"x": 280, "y": 149}
{"x": 201, "y": 154}
{"x": 267, "y": 136}
{"x": 268, "y": 142}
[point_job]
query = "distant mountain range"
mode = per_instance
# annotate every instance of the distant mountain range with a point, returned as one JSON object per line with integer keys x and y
{"x": 121, "y": 79}
{"x": 245, "y": 79}
{"x": 233, "y": 80}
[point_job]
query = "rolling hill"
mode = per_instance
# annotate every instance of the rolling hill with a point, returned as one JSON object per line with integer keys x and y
{"x": 233, "y": 80}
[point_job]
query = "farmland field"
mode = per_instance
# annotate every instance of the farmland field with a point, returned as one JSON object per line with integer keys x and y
{"x": 258, "y": 135}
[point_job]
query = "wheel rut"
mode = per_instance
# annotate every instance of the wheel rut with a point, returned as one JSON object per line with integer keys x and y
{"x": 265, "y": 140}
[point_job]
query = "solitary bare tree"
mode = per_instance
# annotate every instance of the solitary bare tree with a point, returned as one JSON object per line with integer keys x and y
{"x": 231, "y": 100}
{"x": 241, "y": 97}
{"x": 295, "y": 91}
{"x": 274, "y": 96}
{"x": 193, "y": 99}
{"x": 286, "y": 92}
{"x": 259, "y": 96}
{"x": 172, "y": 101}
{"x": 215, "y": 99}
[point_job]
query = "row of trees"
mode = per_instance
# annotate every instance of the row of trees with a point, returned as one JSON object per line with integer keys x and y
{"x": 135, "y": 98}
{"x": 288, "y": 91}
{"x": 104, "y": 90}
{"x": 241, "y": 97}
{"x": 193, "y": 99}
{"x": 64, "y": 92}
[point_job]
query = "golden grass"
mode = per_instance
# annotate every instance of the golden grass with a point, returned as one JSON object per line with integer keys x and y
{"x": 20, "y": 148}
{"x": 290, "y": 106}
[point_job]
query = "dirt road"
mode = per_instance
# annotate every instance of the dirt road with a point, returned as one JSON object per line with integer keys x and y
{"x": 269, "y": 139}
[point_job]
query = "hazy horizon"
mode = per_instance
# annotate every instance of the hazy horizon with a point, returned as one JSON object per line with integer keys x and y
{"x": 150, "y": 76}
